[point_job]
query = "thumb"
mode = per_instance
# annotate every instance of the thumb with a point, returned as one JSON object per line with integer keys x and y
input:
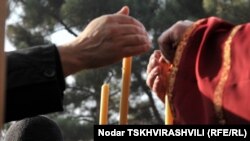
{"x": 124, "y": 10}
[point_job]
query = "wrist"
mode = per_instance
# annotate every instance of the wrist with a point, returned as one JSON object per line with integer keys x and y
{"x": 70, "y": 58}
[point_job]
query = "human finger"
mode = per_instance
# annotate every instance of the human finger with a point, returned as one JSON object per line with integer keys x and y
{"x": 153, "y": 60}
{"x": 124, "y": 29}
{"x": 159, "y": 88}
{"x": 135, "y": 50}
{"x": 152, "y": 76}
{"x": 124, "y": 19}
{"x": 131, "y": 40}
{"x": 124, "y": 10}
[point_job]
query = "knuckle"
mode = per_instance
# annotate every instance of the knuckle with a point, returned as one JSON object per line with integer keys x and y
{"x": 132, "y": 19}
{"x": 179, "y": 22}
{"x": 138, "y": 38}
{"x": 148, "y": 81}
{"x": 137, "y": 29}
{"x": 153, "y": 61}
{"x": 104, "y": 17}
{"x": 155, "y": 54}
{"x": 146, "y": 48}
{"x": 151, "y": 57}
{"x": 108, "y": 18}
{"x": 127, "y": 18}
{"x": 160, "y": 41}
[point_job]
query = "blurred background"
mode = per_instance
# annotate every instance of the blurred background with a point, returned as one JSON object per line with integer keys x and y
{"x": 35, "y": 22}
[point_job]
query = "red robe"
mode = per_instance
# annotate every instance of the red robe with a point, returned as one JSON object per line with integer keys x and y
{"x": 210, "y": 80}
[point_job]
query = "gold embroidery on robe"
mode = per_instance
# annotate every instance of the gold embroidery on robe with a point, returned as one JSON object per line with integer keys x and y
{"x": 226, "y": 65}
{"x": 174, "y": 69}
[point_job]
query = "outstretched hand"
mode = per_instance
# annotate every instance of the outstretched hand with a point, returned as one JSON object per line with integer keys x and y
{"x": 105, "y": 40}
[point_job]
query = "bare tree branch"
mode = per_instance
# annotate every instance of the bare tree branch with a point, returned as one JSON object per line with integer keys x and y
{"x": 57, "y": 18}
{"x": 151, "y": 100}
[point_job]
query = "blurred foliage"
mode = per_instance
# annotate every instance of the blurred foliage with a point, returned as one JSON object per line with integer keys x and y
{"x": 40, "y": 18}
{"x": 235, "y": 11}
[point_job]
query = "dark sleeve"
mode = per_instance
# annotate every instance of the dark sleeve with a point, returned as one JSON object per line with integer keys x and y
{"x": 35, "y": 82}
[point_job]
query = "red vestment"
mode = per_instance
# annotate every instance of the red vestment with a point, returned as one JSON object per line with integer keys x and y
{"x": 210, "y": 80}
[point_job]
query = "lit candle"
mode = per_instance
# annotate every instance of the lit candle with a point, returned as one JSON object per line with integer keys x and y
{"x": 104, "y": 104}
{"x": 126, "y": 75}
{"x": 168, "y": 113}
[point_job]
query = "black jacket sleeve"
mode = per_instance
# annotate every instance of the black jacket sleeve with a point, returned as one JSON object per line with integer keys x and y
{"x": 35, "y": 82}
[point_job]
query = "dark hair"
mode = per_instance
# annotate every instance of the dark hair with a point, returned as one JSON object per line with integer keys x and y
{"x": 38, "y": 128}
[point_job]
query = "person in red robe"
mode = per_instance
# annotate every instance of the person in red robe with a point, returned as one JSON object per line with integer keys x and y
{"x": 203, "y": 67}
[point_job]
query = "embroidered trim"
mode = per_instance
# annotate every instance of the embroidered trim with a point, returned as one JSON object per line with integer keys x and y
{"x": 226, "y": 66}
{"x": 174, "y": 69}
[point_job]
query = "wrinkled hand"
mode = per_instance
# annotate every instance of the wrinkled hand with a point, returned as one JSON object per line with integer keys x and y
{"x": 106, "y": 40}
{"x": 158, "y": 70}
{"x": 170, "y": 38}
